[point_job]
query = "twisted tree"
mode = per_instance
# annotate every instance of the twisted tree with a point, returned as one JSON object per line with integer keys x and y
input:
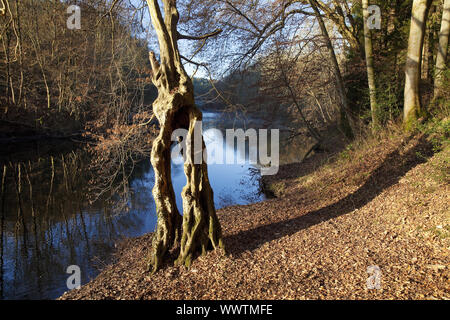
{"x": 199, "y": 228}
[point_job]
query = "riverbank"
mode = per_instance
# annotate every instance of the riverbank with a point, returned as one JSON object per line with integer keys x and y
{"x": 382, "y": 203}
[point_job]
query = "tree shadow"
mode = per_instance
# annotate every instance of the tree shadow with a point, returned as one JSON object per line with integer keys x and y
{"x": 393, "y": 168}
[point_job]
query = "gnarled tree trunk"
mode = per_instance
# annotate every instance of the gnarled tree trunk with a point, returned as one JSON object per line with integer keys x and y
{"x": 175, "y": 109}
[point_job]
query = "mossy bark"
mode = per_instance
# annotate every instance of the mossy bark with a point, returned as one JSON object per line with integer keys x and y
{"x": 412, "y": 104}
{"x": 169, "y": 219}
{"x": 199, "y": 228}
{"x": 441, "y": 56}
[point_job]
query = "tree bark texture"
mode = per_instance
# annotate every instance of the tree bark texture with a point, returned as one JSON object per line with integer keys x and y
{"x": 199, "y": 228}
{"x": 441, "y": 57}
{"x": 370, "y": 68}
{"x": 412, "y": 104}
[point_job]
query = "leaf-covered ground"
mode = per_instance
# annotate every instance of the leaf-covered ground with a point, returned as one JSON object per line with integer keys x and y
{"x": 383, "y": 204}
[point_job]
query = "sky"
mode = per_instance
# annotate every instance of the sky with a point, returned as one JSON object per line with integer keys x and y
{"x": 153, "y": 43}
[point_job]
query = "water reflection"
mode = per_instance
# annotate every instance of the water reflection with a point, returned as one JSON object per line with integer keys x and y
{"x": 48, "y": 223}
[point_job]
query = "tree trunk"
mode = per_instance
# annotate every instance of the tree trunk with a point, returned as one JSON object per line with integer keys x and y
{"x": 201, "y": 228}
{"x": 412, "y": 105}
{"x": 344, "y": 22}
{"x": 428, "y": 47}
{"x": 175, "y": 109}
{"x": 346, "y": 120}
{"x": 441, "y": 58}
{"x": 370, "y": 68}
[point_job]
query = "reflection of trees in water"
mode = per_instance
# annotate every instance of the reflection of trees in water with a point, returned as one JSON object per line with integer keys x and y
{"x": 292, "y": 147}
{"x": 2, "y": 224}
{"x": 48, "y": 223}
{"x": 252, "y": 180}
{"x": 238, "y": 194}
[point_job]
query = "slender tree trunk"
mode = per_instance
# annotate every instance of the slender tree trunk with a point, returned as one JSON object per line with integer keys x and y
{"x": 284, "y": 77}
{"x": 346, "y": 120}
{"x": 175, "y": 109}
{"x": 429, "y": 45}
{"x": 319, "y": 106}
{"x": 19, "y": 46}
{"x": 370, "y": 68}
{"x": 441, "y": 58}
{"x": 412, "y": 105}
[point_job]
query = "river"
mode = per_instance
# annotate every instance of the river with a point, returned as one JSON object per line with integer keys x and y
{"x": 53, "y": 225}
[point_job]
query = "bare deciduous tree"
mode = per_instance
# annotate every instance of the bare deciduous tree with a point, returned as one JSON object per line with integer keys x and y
{"x": 346, "y": 118}
{"x": 370, "y": 67}
{"x": 175, "y": 109}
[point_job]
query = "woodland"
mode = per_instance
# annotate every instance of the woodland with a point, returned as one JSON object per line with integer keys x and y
{"x": 359, "y": 90}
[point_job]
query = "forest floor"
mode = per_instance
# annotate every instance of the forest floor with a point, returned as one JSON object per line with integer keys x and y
{"x": 383, "y": 203}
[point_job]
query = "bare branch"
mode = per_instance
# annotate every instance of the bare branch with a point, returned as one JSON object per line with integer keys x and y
{"x": 106, "y": 13}
{"x": 206, "y": 36}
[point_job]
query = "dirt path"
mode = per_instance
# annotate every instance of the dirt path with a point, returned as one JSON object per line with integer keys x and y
{"x": 384, "y": 205}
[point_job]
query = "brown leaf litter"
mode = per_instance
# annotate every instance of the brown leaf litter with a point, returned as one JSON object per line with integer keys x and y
{"x": 382, "y": 207}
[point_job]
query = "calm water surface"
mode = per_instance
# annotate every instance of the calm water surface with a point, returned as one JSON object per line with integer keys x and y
{"x": 52, "y": 225}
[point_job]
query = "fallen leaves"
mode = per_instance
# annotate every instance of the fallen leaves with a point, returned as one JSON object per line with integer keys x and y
{"x": 313, "y": 244}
